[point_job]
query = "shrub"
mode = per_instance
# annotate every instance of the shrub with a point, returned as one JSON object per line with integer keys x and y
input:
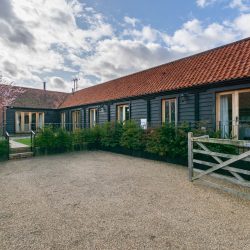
{"x": 168, "y": 140}
{"x": 45, "y": 140}
{"x": 92, "y": 137}
{"x": 63, "y": 141}
{"x": 4, "y": 149}
{"x": 111, "y": 133}
{"x": 132, "y": 136}
{"x": 78, "y": 139}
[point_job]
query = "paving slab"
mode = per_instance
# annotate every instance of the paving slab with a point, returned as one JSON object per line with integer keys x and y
{"x": 15, "y": 144}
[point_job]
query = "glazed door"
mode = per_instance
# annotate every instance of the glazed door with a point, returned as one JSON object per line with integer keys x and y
{"x": 33, "y": 122}
{"x": 27, "y": 121}
{"x": 226, "y": 115}
{"x": 244, "y": 115}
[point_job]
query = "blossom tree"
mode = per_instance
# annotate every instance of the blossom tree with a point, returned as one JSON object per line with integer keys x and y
{"x": 8, "y": 94}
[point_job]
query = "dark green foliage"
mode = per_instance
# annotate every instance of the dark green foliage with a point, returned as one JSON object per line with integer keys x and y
{"x": 168, "y": 140}
{"x": 45, "y": 141}
{"x": 4, "y": 149}
{"x": 132, "y": 136}
{"x": 78, "y": 140}
{"x": 111, "y": 134}
{"x": 93, "y": 137}
{"x": 63, "y": 141}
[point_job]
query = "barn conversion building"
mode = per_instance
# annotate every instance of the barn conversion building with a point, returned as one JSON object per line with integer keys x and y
{"x": 212, "y": 88}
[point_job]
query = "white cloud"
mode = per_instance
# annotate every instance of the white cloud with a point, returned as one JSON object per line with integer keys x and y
{"x": 242, "y": 5}
{"x": 194, "y": 37}
{"x": 57, "y": 82}
{"x": 126, "y": 56}
{"x": 204, "y": 3}
{"x": 146, "y": 47}
{"x": 241, "y": 23}
{"x": 47, "y": 33}
{"x": 48, "y": 40}
{"x": 131, "y": 20}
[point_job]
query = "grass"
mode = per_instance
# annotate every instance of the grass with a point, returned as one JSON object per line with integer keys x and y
{"x": 25, "y": 141}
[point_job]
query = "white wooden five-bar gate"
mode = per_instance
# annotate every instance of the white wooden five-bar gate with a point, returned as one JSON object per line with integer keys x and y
{"x": 198, "y": 146}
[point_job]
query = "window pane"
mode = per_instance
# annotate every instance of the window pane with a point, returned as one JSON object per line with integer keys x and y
{"x": 244, "y": 116}
{"x": 40, "y": 120}
{"x": 19, "y": 122}
{"x": 26, "y": 122}
{"x": 93, "y": 117}
{"x": 33, "y": 121}
{"x": 173, "y": 111}
{"x": 226, "y": 115}
{"x": 167, "y": 117}
{"x": 127, "y": 113}
{"x": 120, "y": 113}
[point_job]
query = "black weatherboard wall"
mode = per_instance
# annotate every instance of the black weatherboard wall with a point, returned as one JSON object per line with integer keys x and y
{"x": 193, "y": 105}
{"x": 138, "y": 109}
{"x": 50, "y": 116}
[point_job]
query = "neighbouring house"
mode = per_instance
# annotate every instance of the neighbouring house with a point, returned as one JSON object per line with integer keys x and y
{"x": 31, "y": 110}
{"x": 211, "y": 88}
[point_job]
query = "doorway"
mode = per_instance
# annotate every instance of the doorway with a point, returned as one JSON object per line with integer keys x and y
{"x": 233, "y": 114}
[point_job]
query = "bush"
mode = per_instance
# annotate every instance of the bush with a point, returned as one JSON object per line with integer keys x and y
{"x": 45, "y": 141}
{"x": 87, "y": 138}
{"x": 132, "y": 136}
{"x": 78, "y": 139}
{"x": 4, "y": 149}
{"x": 111, "y": 134}
{"x": 63, "y": 141}
{"x": 168, "y": 141}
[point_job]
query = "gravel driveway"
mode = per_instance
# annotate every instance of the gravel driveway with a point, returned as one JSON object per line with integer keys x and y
{"x": 98, "y": 200}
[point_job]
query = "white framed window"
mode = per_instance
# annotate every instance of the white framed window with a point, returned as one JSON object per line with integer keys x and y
{"x": 27, "y": 121}
{"x": 169, "y": 111}
{"x": 233, "y": 114}
{"x": 63, "y": 120}
{"x": 76, "y": 119}
{"x": 92, "y": 117}
{"x": 123, "y": 113}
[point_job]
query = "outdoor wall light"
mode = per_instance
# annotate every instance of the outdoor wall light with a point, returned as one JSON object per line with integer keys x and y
{"x": 102, "y": 108}
{"x": 183, "y": 97}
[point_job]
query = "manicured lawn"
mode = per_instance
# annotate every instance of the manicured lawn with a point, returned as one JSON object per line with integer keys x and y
{"x": 25, "y": 141}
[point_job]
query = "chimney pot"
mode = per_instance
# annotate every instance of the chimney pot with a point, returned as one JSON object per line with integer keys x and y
{"x": 44, "y": 85}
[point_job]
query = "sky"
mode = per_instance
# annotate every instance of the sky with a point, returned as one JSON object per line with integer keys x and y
{"x": 99, "y": 40}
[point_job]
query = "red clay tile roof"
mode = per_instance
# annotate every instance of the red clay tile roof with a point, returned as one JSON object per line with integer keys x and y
{"x": 38, "y": 98}
{"x": 227, "y": 62}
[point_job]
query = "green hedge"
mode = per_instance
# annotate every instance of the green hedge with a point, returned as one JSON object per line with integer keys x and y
{"x": 4, "y": 149}
{"x": 165, "y": 142}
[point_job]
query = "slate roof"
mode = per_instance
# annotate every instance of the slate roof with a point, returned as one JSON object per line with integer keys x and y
{"x": 38, "y": 98}
{"x": 227, "y": 62}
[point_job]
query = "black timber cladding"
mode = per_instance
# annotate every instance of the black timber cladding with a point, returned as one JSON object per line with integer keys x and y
{"x": 190, "y": 108}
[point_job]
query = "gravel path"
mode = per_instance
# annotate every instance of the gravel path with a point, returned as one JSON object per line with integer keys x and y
{"x": 98, "y": 200}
